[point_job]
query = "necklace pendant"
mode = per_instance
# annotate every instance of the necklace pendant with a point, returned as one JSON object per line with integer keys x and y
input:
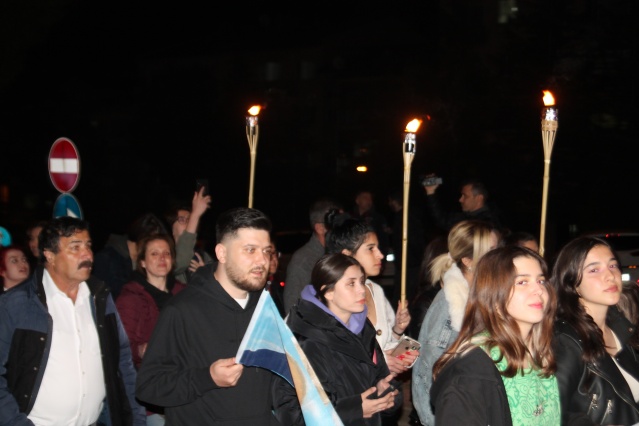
{"x": 539, "y": 410}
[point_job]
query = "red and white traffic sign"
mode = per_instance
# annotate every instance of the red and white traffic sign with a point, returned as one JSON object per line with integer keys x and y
{"x": 64, "y": 165}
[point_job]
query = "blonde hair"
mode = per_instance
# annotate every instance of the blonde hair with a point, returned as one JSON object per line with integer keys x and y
{"x": 468, "y": 238}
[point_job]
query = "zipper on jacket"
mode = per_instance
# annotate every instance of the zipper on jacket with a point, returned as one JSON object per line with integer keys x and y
{"x": 593, "y": 404}
{"x": 631, "y": 403}
{"x": 608, "y": 411}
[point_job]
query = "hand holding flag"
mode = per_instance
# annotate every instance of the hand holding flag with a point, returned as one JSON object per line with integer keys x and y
{"x": 270, "y": 344}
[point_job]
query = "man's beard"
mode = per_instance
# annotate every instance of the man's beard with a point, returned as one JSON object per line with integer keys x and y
{"x": 244, "y": 283}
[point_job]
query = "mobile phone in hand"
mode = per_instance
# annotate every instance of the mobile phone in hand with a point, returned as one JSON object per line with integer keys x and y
{"x": 389, "y": 389}
{"x": 199, "y": 183}
{"x": 392, "y": 386}
{"x": 406, "y": 344}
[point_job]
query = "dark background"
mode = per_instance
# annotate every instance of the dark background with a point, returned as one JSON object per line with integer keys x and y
{"x": 156, "y": 96}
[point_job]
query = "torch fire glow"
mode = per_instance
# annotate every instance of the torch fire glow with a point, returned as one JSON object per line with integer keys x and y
{"x": 549, "y": 125}
{"x": 252, "y": 133}
{"x": 409, "y": 154}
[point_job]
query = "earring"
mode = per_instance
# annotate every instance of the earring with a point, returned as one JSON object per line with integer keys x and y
{"x": 469, "y": 268}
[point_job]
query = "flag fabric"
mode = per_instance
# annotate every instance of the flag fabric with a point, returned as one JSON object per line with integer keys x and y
{"x": 270, "y": 344}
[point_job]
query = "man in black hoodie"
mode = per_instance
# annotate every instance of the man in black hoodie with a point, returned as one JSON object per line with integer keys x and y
{"x": 189, "y": 366}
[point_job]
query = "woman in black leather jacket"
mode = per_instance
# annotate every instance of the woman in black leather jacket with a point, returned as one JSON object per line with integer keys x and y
{"x": 597, "y": 365}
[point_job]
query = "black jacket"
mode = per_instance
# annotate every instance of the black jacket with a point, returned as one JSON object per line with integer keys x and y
{"x": 113, "y": 264}
{"x": 27, "y": 325}
{"x": 470, "y": 391}
{"x": 198, "y": 326}
{"x": 446, "y": 220}
{"x": 596, "y": 393}
{"x": 342, "y": 360}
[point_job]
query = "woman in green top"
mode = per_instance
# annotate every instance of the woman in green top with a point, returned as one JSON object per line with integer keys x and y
{"x": 500, "y": 370}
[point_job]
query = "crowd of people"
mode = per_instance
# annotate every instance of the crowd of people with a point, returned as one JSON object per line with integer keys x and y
{"x": 145, "y": 330}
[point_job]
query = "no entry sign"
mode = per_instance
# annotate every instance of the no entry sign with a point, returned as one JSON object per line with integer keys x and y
{"x": 64, "y": 165}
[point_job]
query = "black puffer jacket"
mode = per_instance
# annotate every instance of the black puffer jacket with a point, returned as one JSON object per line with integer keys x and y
{"x": 596, "y": 393}
{"x": 342, "y": 360}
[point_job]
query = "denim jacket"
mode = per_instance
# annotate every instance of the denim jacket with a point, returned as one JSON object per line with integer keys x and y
{"x": 439, "y": 329}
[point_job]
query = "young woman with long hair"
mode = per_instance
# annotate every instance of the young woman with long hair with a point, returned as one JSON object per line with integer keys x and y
{"x": 468, "y": 241}
{"x": 597, "y": 361}
{"x": 500, "y": 369}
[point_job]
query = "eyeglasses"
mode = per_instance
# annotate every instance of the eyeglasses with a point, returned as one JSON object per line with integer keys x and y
{"x": 183, "y": 219}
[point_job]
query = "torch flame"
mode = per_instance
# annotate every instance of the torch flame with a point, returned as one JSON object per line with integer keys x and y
{"x": 413, "y": 125}
{"x": 254, "y": 110}
{"x": 549, "y": 100}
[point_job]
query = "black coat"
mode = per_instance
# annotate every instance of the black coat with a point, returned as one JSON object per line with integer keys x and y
{"x": 470, "y": 391}
{"x": 596, "y": 393}
{"x": 342, "y": 360}
{"x": 446, "y": 220}
{"x": 113, "y": 264}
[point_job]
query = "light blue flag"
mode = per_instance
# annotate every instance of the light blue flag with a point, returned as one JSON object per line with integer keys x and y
{"x": 270, "y": 344}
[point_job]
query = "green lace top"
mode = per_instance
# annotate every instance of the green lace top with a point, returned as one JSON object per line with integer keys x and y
{"x": 533, "y": 399}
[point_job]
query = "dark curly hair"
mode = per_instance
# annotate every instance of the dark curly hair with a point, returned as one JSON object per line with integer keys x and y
{"x": 345, "y": 232}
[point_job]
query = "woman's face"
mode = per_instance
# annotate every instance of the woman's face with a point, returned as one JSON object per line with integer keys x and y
{"x": 157, "y": 261}
{"x": 16, "y": 268}
{"x": 600, "y": 285}
{"x": 33, "y": 240}
{"x": 529, "y": 295}
{"x": 369, "y": 255}
{"x": 348, "y": 296}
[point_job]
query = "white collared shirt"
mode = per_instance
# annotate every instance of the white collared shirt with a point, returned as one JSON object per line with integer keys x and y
{"x": 72, "y": 390}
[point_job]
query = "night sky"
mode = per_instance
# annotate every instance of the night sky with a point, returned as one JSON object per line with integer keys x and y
{"x": 156, "y": 97}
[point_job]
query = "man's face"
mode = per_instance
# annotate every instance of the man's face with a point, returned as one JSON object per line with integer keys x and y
{"x": 469, "y": 201}
{"x": 275, "y": 261}
{"x": 74, "y": 259}
{"x": 364, "y": 201}
{"x": 181, "y": 221}
{"x": 247, "y": 257}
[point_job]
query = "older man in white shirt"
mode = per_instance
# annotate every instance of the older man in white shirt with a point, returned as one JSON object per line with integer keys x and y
{"x": 75, "y": 362}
